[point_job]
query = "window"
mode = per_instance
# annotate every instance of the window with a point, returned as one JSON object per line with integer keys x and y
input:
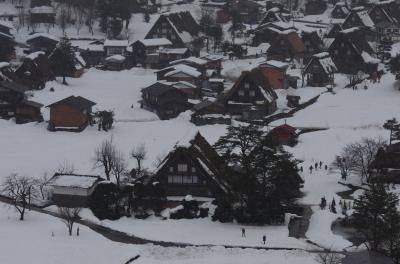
{"x": 164, "y": 30}
{"x": 163, "y": 24}
{"x": 193, "y": 169}
{"x": 182, "y": 167}
{"x": 247, "y": 85}
{"x": 252, "y": 93}
{"x": 173, "y": 37}
{"x": 170, "y": 179}
{"x": 176, "y": 179}
{"x": 187, "y": 179}
{"x": 194, "y": 179}
{"x": 336, "y": 52}
{"x": 349, "y": 52}
{"x": 171, "y": 169}
{"x": 342, "y": 44}
{"x": 241, "y": 93}
{"x": 114, "y": 51}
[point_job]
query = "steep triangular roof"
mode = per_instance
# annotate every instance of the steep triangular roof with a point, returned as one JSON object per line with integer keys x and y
{"x": 77, "y": 102}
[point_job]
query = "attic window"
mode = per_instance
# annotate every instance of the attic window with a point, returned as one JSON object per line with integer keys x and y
{"x": 193, "y": 169}
{"x": 252, "y": 93}
{"x": 182, "y": 167}
{"x": 241, "y": 93}
{"x": 247, "y": 85}
{"x": 348, "y": 52}
{"x": 171, "y": 169}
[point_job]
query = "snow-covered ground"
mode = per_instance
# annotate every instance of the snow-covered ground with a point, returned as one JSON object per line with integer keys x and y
{"x": 31, "y": 241}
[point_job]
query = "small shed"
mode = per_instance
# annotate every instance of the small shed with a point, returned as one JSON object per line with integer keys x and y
{"x": 70, "y": 114}
{"x": 71, "y": 190}
{"x": 283, "y": 135}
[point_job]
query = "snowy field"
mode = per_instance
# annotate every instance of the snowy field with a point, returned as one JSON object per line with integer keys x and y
{"x": 31, "y": 241}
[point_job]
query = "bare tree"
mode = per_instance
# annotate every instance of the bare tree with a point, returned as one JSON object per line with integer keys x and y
{"x": 362, "y": 154}
{"x": 20, "y": 189}
{"x": 41, "y": 183}
{"x": 344, "y": 164}
{"x": 119, "y": 167}
{"x": 65, "y": 167}
{"x": 328, "y": 258}
{"x": 69, "y": 217}
{"x": 63, "y": 19}
{"x": 139, "y": 154}
{"x": 105, "y": 156}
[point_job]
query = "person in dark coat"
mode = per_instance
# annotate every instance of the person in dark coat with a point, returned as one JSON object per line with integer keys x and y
{"x": 264, "y": 239}
{"x": 316, "y": 165}
{"x": 243, "y": 232}
{"x": 326, "y": 167}
{"x": 320, "y": 164}
{"x": 311, "y": 168}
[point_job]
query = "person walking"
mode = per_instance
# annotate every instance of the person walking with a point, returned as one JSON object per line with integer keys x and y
{"x": 243, "y": 232}
{"x": 320, "y": 164}
{"x": 264, "y": 238}
{"x": 311, "y": 168}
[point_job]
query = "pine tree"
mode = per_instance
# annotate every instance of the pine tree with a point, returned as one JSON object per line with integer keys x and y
{"x": 376, "y": 218}
{"x": 63, "y": 58}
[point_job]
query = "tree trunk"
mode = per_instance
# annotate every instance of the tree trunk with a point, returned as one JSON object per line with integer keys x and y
{"x": 64, "y": 80}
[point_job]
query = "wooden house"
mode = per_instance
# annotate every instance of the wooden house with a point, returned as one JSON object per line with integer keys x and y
{"x": 35, "y": 71}
{"x": 270, "y": 32}
{"x": 287, "y": 47}
{"x": 6, "y": 28}
{"x": 70, "y": 114}
{"x": 315, "y": 7}
{"x": 42, "y": 42}
{"x": 251, "y": 97}
{"x": 181, "y": 72}
{"x": 251, "y": 12}
{"x": 115, "y": 47}
{"x": 93, "y": 53}
{"x": 351, "y": 52}
{"x": 386, "y": 165}
{"x": 283, "y": 135}
{"x": 320, "y": 70}
{"x": 141, "y": 48}
{"x": 275, "y": 72}
{"x": 71, "y": 190}
{"x": 164, "y": 100}
{"x": 340, "y": 11}
{"x": 194, "y": 168}
{"x": 180, "y": 28}
{"x": 312, "y": 44}
{"x": 14, "y": 104}
{"x": 360, "y": 18}
{"x": 41, "y": 11}
{"x": 11, "y": 94}
{"x": 385, "y": 16}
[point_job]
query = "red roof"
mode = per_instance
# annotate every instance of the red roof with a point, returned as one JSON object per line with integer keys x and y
{"x": 283, "y": 132}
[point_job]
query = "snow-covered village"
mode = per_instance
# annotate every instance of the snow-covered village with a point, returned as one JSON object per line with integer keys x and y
{"x": 199, "y": 131}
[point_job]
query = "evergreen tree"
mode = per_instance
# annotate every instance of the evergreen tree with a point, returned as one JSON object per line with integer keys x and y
{"x": 63, "y": 58}
{"x": 376, "y": 218}
{"x": 237, "y": 24}
{"x": 110, "y": 11}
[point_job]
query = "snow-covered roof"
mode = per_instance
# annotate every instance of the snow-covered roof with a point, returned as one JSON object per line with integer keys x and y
{"x": 4, "y": 64}
{"x": 368, "y": 58}
{"x": 73, "y": 181}
{"x": 116, "y": 57}
{"x": 212, "y": 57}
{"x": 116, "y": 43}
{"x": 365, "y": 18}
{"x": 42, "y": 10}
{"x": 184, "y": 69}
{"x": 43, "y": 35}
{"x": 192, "y": 59}
{"x": 275, "y": 63}
{"x": 156, "y": 42}
{"x": 34, "y": 55}
{"x": 184, "y": 85}
{"x": 173, "y": 51}
{"x": 79, "y": 58}
{"x": 6, "y": 24}
{"x": 186, "y": 141}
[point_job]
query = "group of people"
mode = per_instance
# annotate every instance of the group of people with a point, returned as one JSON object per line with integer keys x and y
{"x": 264, "y": 237}
{"x": 315, "y": 167}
